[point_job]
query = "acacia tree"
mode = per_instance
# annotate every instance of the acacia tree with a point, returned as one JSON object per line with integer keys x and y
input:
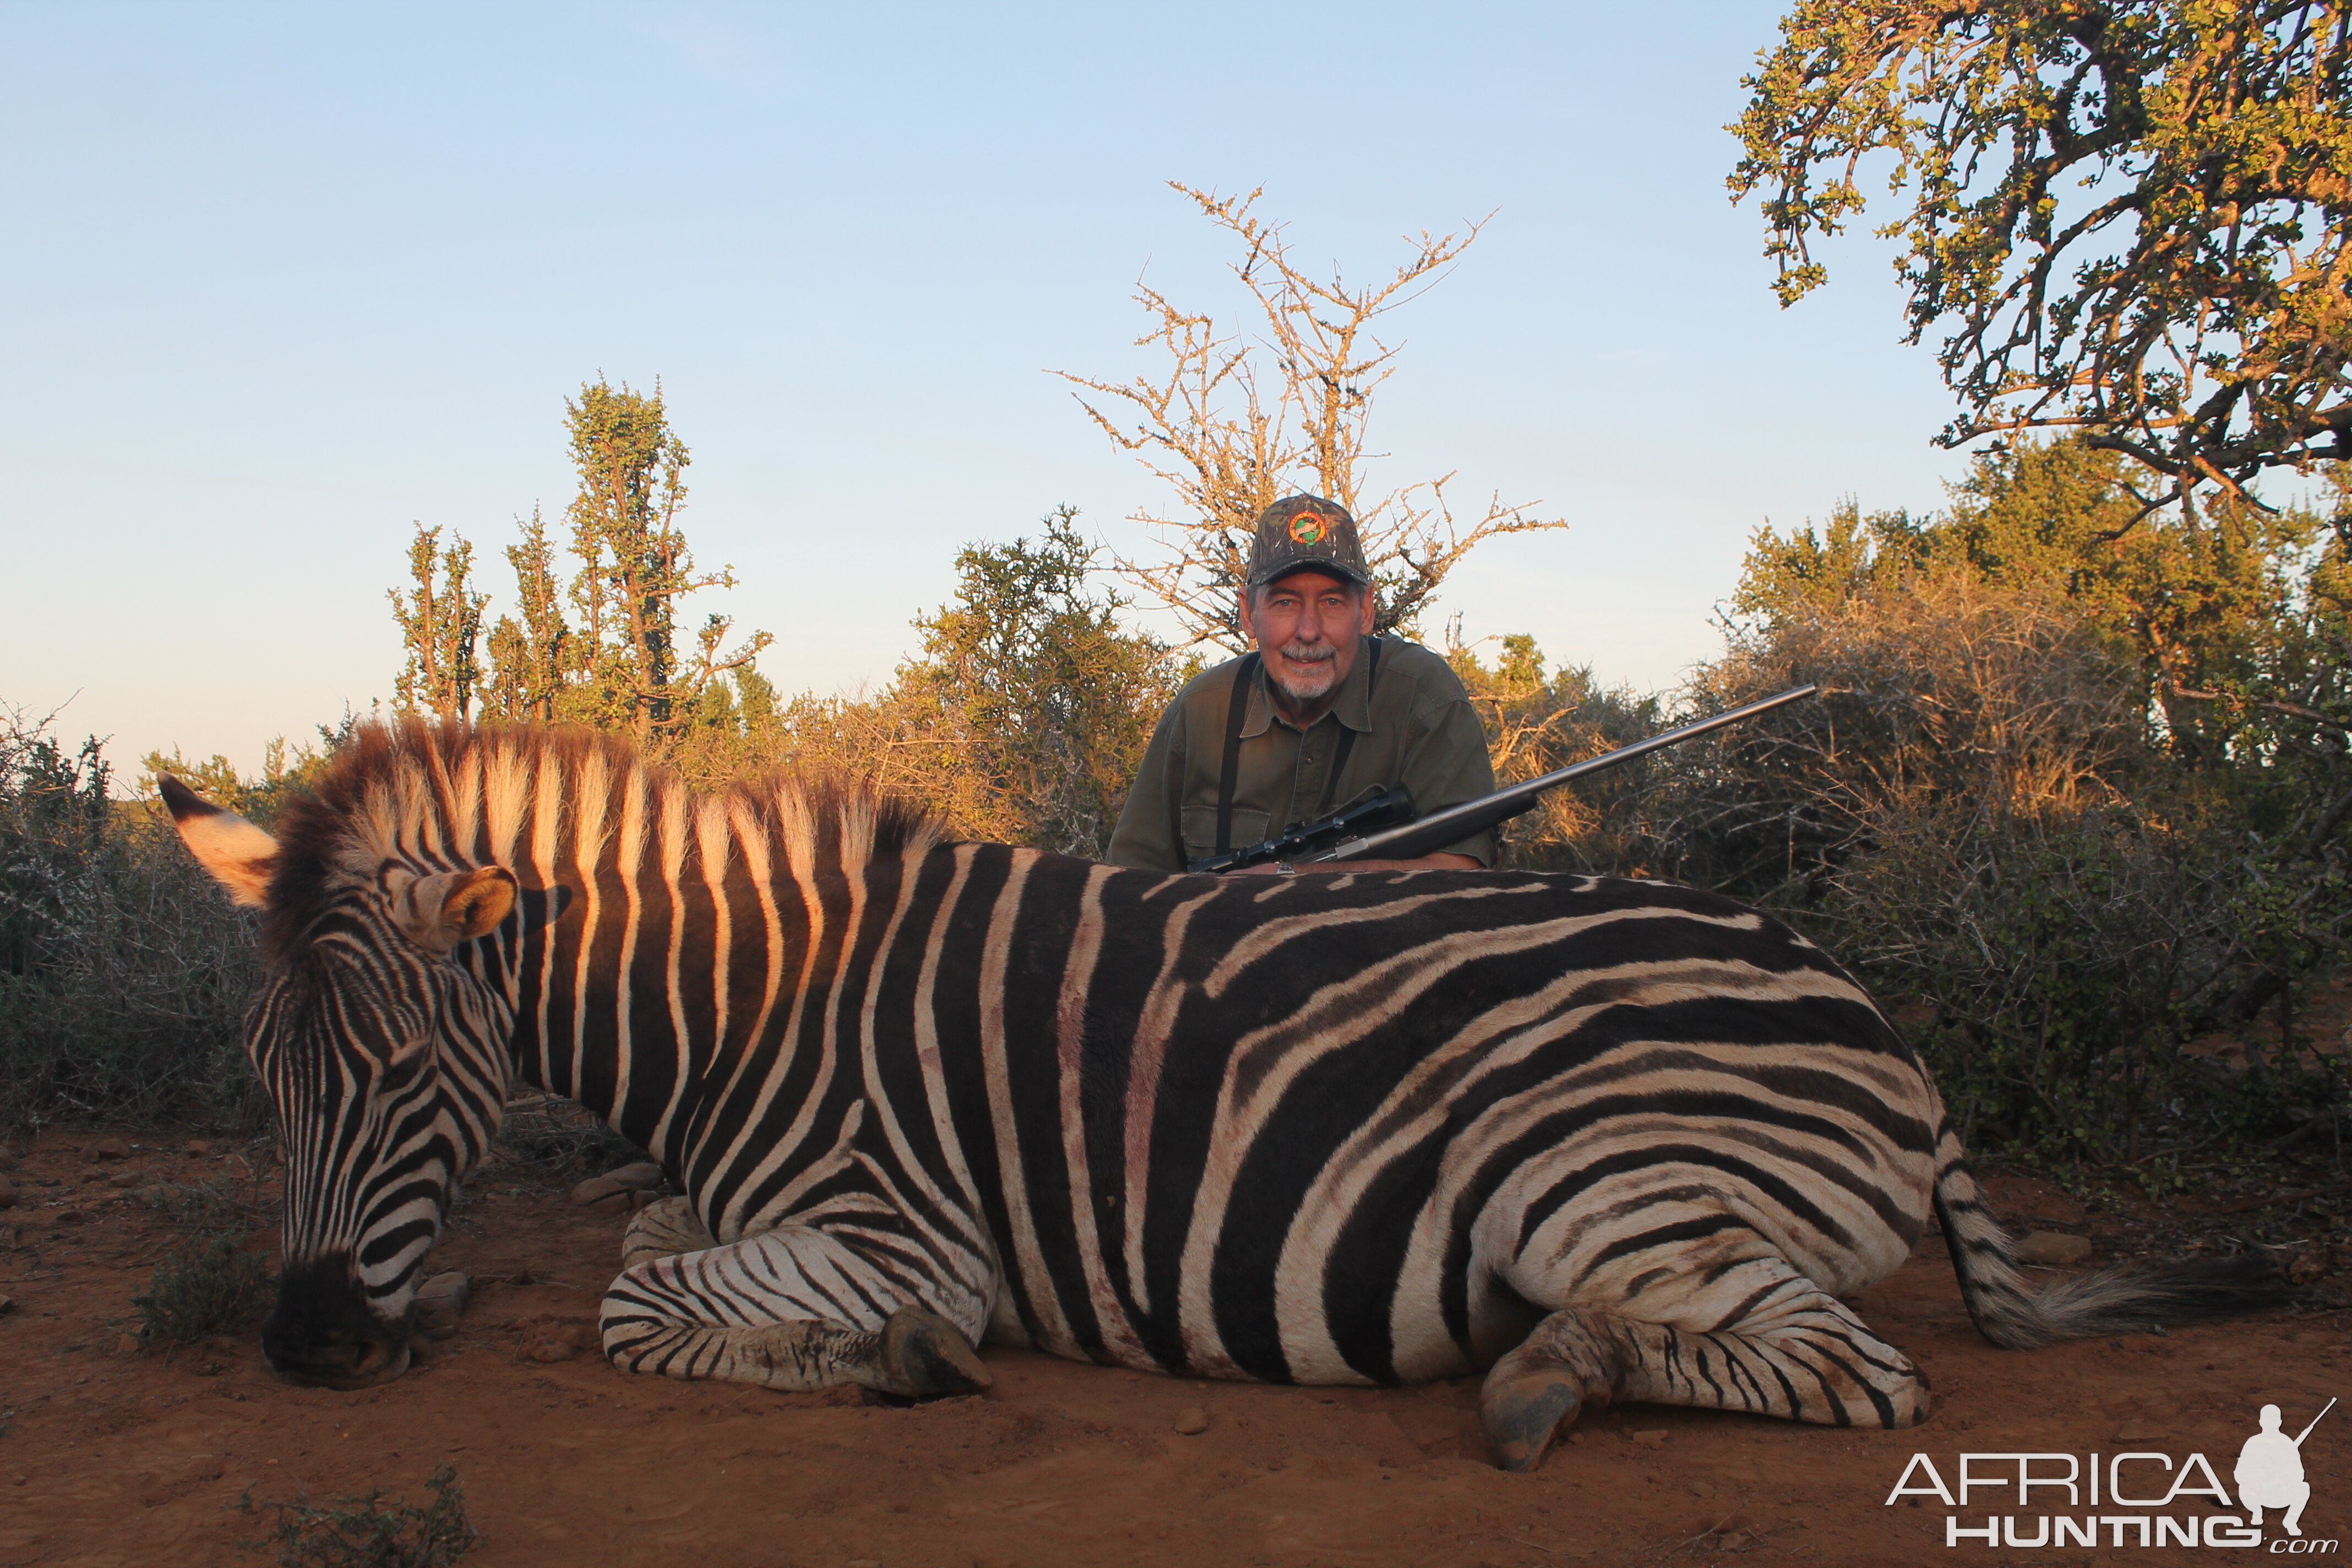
{"x": 1236, "y": 422}
{"x": 440, "y": 620}
{"x": 2130, "y": 216}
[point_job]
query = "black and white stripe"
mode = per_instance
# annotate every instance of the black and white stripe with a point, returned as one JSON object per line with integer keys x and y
{"x": 1363, "y": 1128}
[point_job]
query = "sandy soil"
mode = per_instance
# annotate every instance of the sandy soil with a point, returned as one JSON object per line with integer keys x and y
{"x": 112, "y": 1456}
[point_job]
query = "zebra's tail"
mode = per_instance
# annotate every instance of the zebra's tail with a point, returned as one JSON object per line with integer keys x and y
{"x": 2016, "y": 1314}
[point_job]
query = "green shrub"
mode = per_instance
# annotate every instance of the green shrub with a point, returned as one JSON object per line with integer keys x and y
{"x": 123, "y": 970}
{"x": 367, "y": 1532}
{"x": 208, "y": 1207}
{"x": 206, "y": 1288}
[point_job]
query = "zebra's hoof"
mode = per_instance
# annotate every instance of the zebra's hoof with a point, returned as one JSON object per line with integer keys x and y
{"x": 926, "y": 1355}
{"x": 1522, "y": 1414}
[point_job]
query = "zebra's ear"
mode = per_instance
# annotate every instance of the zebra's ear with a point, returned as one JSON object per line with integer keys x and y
{"x": 239, "y": 856}
{"x": 439, "y": 912}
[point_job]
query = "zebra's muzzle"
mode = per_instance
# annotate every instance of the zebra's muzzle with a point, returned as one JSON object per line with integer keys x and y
{"x": 321, "y": 1333}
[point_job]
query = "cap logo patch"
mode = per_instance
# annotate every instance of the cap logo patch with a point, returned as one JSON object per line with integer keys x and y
{"x": 1308, "y": 527}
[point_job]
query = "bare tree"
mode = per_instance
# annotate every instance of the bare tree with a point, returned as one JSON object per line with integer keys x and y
{"x": 1238, "y": 422}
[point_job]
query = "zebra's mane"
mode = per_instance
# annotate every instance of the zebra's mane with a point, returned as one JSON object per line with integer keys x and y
{"x": 451, "y": 793}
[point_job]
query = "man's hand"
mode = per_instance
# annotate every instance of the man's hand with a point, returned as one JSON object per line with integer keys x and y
{"x": 1443, "y": 860}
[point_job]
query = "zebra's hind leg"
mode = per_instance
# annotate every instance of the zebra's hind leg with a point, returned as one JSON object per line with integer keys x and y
{"x": 790, "y": 1309}
{"x": 1798, "y": 1354}
{"x": 664, "y": 1229}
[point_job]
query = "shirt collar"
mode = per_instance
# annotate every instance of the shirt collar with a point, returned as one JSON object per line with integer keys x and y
{"x": 1354, "y": 708}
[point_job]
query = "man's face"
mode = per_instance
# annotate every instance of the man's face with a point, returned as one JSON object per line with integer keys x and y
{"x": 1306, "y": 627}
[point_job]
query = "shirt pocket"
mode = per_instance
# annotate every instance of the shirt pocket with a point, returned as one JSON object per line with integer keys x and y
{"x": 1201, "y": 829}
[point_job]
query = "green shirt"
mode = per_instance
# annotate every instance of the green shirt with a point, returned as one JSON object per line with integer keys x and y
{"x": 1413, "y": 726}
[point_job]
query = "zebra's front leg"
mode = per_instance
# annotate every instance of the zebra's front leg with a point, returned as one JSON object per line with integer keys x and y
{"x": 790, "y": 1309}
{"x": 1800, "y": 1354}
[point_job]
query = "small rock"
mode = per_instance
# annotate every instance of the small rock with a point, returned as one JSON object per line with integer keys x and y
{"x": 126, "y": 1344}
{"x": 1736, "y": 1541}
{"x": 67, "y": 1217}
{"x": 2048, "y": 1247}
{"x": 1702, "y": 1488}
{"x": 1191, "y": 1421}
{"x": 7, "y": 1305}
{"x": 2309, "y": 1266}
{"x": 1653, "y": 1441}
{"x": 440, "y": 1302}
{"x": 579, "y": 1336}
{"x": 7, "y": 1193}
{"x": 199, "y": 1146}
{"x": 96, "y": 1173}
{"x": 595, "y": 1189}
{"x": 111, "y": 1149}
{"x": 551, "y": 1351}
{"x": 642, "y": 1177}
{"x": 124, "y": 1179}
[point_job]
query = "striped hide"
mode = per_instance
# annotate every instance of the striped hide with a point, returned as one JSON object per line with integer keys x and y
{"x": 1611, "y": 1138}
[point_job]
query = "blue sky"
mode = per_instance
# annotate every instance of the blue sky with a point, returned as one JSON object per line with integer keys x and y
{"x": 284, "y": 279}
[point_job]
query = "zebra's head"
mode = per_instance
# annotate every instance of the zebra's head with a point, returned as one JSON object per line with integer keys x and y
{"x": 381, "y": 1035}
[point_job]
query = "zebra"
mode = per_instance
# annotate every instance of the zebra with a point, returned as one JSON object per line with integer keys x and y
{"x": 1609, "y": 1140}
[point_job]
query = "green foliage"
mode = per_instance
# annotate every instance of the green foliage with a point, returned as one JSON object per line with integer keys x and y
{"x": 440, "y": 620}
{"x": 207, "y": 1287}
{"x": 2130, "y": 214}
{"x": 1039, "y": 706}
{"x": 369, "y": 1532}
{"x": 1536, "y": 724}
{"x": 603, "y": 648}
{"x": 1023, "y": 718}
{"x": 530, "y": 652}
{"x": 285, "y": 770}
{"x": 123, "y": 970}
{"x": 208, "y": 1207}
{"x": 2014, "y": 807}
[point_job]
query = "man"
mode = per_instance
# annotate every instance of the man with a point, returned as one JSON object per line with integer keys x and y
{"x": 1321, "y": 712}
{"x": 2270, "y": 1472}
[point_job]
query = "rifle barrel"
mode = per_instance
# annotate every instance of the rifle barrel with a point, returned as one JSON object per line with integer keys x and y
{"x": 2324, "y": 1409}
{"x": 1440, "y": 828}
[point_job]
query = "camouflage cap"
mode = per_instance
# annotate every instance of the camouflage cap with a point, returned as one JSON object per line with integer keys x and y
{"x": 1302, "y": 531}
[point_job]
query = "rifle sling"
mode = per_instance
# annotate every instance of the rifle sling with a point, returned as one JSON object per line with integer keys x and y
{"x": 1237, "y": 714}
{"x": 1229, "y": 770}
{"x": 1347, "y": 735}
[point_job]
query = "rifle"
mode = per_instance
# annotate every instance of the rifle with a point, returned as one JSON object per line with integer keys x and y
{"x": 1381, "y": 826}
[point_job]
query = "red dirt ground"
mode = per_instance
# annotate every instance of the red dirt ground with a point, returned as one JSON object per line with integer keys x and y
{"x": 116, "y": 1456}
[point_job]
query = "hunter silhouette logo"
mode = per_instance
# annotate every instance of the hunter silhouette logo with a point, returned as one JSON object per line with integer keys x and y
{"x": 2140, "y": 1498}
{"x": 1306, "y": 527}
{"x": 2270, "y": 1471}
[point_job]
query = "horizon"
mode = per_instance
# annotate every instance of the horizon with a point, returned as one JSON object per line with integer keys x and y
{"x": 305, "y": 278}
